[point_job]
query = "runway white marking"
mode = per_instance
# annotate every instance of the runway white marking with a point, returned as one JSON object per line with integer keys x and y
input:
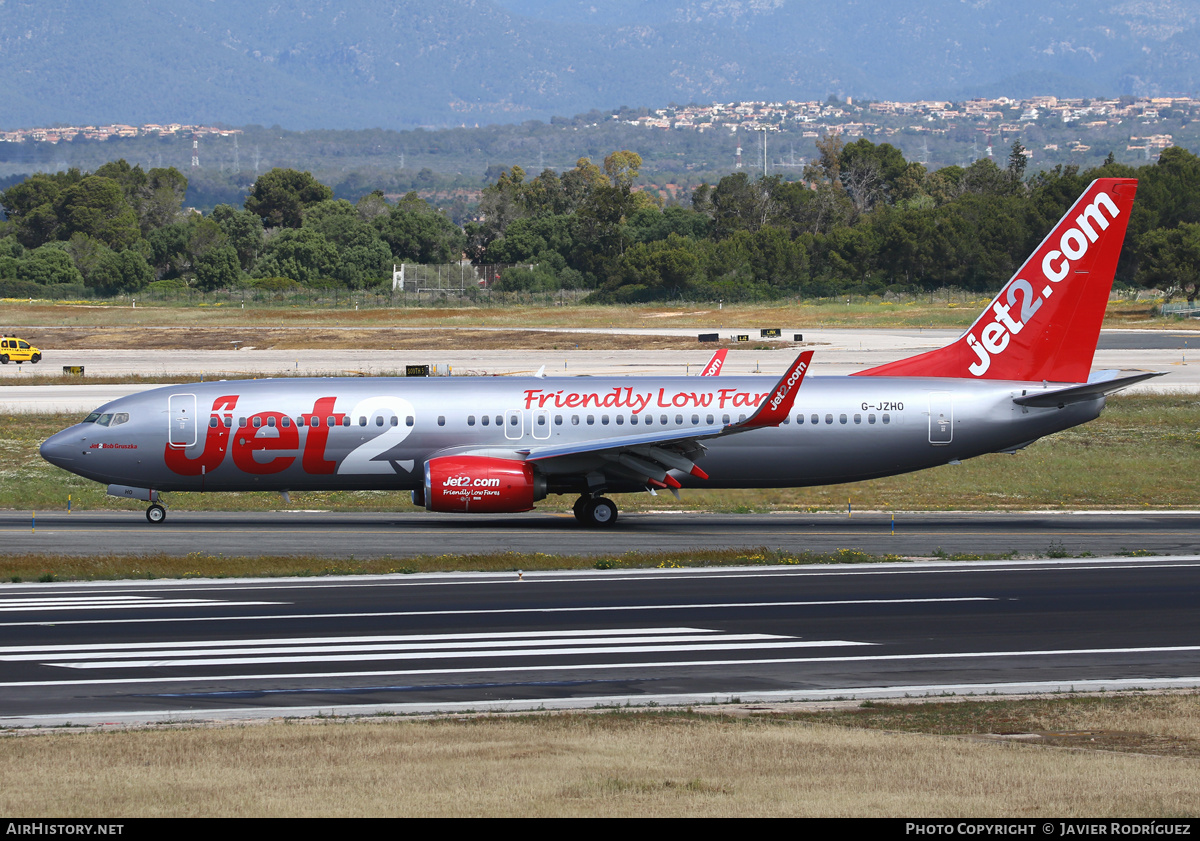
{"x": 500, "y": 611}
{"x": 690, "y": 664}
{"x": 56, "y": 603}
{"x": 421, "y": 647}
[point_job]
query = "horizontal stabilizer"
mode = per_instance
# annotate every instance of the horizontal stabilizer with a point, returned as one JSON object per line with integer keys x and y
{"x": 1079, "y": 393}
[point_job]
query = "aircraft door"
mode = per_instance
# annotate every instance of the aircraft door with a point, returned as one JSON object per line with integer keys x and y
{"x": 181, "y": 412}
{"x": 941, "y": 418}
{"x": 514, "y": 425}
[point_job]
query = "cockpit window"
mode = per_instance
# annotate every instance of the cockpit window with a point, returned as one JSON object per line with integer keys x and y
{"x": 119, "y": 418}
{"x": 104, "y": 419}
{"x": 92, "y": 417}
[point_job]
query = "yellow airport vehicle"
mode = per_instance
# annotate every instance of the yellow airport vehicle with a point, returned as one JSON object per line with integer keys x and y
{"x": 18, "y": 350}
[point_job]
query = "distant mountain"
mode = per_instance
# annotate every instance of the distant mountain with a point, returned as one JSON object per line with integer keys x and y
{"x": 403, "y": 63}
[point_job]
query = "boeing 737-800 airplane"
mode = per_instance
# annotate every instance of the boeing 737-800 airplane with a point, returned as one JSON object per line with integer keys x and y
{"x": 498, "y": 445}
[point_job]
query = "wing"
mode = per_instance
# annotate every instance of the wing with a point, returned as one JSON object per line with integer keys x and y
{"x": 646, "y": 459}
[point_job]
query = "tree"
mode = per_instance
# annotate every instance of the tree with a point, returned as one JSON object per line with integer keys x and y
{"x": 97, "y": 207}
{"x": 416, "y": 232}
{"x": 1017, "y": 161}
{"x": 1170, "y": 260}
{"x": 301, "y": 254}
{"x": 281, "y": 196}
{"x": 126, "y": 271}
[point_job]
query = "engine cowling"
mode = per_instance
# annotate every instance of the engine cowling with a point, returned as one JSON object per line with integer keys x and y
{"x": 482, "y": 485}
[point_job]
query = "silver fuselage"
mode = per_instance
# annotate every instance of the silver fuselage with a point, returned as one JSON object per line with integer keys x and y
{"x": 377, "y": 433}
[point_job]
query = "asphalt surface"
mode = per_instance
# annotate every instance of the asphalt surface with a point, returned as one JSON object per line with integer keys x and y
{"x": 837, "y": 352}
{"x": 197, "y": 650}
{"x": 403, "y": 534}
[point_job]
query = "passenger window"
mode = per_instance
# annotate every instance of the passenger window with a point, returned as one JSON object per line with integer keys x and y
{"x": 345, "y": 420}
{"x": 379, "y": 421}
{"x": 514, "y": 420}
{"x": 799, "y": 419}
{"x": 887, "y": 418}
{"x": 485, "y": 420}
{"x": 829, "y": 419}
{"x": 591, "y": 420}
{"x": 241, "y": 423}
{"x": 395, "y": 421}
{"x": 604, "y": 420}
{"x": 742, "y": 417}
{"x": 470, "y": 420}
{"x": 871, "y": 418}
{"x": 408, "y": 421}
{"x": 541, "y": 420}
{"x": 649, "y": 420}
{"x": 285, "y": 422}
{"x": 620, "y": 420}
{"x": 574, "y": 420}
{"x": 499, "y": 420}
{"x": 228, "y": 421}
{"x": 858, "y": 418}
{"x": 256, "y": 422}
{"x": 815, "y": 419}
{"x": 787, "y": 419}
{"x": 362, "y": 420}
{"x": 441, "y": 420}
{"x": 633, "y": 420}
{"x": 558, "y": 420}
{"x": 329, "y": 421}
{"x": 842, "y": 418}
{"x": 695, "y": 420}
{"x": 271, "y": 422}
{"x": 212, "y": 422}
{"x": 725, "y": 419}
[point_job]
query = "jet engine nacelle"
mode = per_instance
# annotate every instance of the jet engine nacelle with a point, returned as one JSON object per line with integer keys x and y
{"x": 478, "y": 484}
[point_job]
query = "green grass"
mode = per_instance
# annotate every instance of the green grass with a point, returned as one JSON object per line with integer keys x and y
{"x": 46, "y": 567}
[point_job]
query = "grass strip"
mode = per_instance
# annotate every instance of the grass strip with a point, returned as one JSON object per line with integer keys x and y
{"x": 30, "y": 567}
{"x": 729, "y": 761}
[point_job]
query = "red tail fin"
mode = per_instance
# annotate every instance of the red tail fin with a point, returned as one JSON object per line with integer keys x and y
{"x": 713, "y": 368}
{"x": 1045, "y": 322}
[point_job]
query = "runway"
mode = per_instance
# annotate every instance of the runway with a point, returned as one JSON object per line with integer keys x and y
{"x": 837, "y": 352}
{"x": 342, "y": 536}
{"x": 202, "y": 650}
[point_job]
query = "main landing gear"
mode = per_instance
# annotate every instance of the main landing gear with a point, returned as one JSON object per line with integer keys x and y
{"x": 156, "y": 513}
{"x": 595, "y": 511}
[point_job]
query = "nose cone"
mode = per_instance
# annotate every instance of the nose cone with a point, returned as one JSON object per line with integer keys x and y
{"x": 62, "y": 449}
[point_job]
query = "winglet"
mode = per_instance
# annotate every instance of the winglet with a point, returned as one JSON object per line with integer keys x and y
{"x": 779, "y": 402}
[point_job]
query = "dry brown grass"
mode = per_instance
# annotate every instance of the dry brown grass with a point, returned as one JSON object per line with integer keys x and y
{"x": 940, "y": 313}
{"x": 352, "y": 338}
{"x": 623, "y": 764}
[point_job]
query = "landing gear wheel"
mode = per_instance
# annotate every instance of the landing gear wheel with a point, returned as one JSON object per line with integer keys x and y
{"x": 156, "y": 514}
{"x": 580, "y": 508}
{"x": 600, "y": 512}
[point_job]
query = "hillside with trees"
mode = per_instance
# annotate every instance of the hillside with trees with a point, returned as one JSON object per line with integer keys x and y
{"x": 862, "y": 220}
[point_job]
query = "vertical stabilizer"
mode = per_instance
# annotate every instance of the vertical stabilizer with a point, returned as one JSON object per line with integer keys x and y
{"x": 1045, "y": 322}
